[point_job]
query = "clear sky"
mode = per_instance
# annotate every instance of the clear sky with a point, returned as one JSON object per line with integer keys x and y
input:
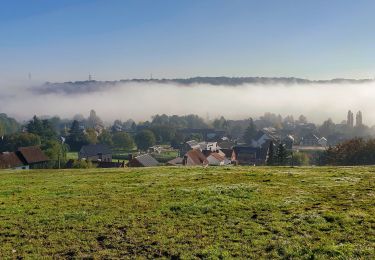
{"x": 68, "y": 39}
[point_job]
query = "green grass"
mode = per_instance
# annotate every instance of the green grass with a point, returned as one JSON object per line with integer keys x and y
{"x": 165, "y": 156}
{"x": 72, "y": 155}
{"x": 234, "y": 212}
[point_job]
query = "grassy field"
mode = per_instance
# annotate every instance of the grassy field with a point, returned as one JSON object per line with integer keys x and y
{"x": 234, "y": 212}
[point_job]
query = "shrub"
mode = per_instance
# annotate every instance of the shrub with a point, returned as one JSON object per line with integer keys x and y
{"x": 81, "y": 164}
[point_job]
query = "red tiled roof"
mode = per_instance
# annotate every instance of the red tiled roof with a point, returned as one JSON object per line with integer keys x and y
{"x": 9, "y": 160}
{"x": 33, "y": 154}
{"x": 196, "y": 157}
{"x": 217, "y": 156}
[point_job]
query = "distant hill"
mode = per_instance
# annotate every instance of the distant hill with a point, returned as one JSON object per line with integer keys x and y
{"x": 95, "y": 86}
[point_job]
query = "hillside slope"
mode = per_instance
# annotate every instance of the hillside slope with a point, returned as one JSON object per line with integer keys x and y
{"x": 240, "y": 212}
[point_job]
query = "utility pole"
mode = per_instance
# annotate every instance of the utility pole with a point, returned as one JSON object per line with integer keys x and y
{"x": 61, "y": 149}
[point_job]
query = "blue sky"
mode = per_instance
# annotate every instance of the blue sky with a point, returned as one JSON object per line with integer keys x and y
{"x": 67, "y": 40}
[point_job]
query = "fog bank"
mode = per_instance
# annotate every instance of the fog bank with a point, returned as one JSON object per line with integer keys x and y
{"x": 140, "y": 101}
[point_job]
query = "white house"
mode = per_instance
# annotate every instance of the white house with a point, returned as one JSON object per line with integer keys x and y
{"x": 262, "y": 137}
{"x": 208, "y": 146}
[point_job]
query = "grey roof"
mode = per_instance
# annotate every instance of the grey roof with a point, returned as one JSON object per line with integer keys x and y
{"x": 147, "y": 160}
{"x": 175, "y": 161}
{"x": 258, "y": 135}
{"x": 310, "y": 136}
{"x": 95, "y": 149}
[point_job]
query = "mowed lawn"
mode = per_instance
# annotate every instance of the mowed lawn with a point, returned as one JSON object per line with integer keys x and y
{"x": 233, "y": 212}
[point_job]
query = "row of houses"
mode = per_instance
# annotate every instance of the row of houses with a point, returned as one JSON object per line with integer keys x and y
{"x": 226, "y": 152}
{"x": 101, "y": 156}
{"x": 220, "y": 153}
{"x": 199, "y": 154}
{"x": 193, "y": 153}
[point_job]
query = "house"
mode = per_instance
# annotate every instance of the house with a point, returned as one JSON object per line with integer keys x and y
{"x": 217, "y": 159}
{"x": 263, "y": 136}
{"x": 323, "y": 141}
{"x": 23, "y": 158}
{"x": 95, "y": 152}
{"x": 227, "y": 152}
{"x": 32, "y": 155}
{"x": 194, "y": 158}
{"x": 288, "y": 141}
{"x": 309, "y": 140}
{"x": 175, "y": 162}
{"x": 189, "y": 145}
{"x": 202, "y": 146}
{"x": 10, "y": 160}
{"x": 155, "y": 149}
{"x": 248, "y": 155}
{"x": 208, "y": 146}
{"x": 144, "y": 160}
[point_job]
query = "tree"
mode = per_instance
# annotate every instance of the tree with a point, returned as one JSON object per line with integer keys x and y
{"x": 327, "y": 128}
{"x": 356, "y": 151}
{"x": 93, "y": 120}
{"x": 123, "y": 140}
{"x": 145, "y": 139}
{"x": 8, "y": 125}
{"x": 82, "y": 164}
{"x": 14, "y": 141}
{"x": 177, "y": 140}
{"x": 163, "y": 133}
{"x": 250, "y": 132}
{"x": 281, "y": 155}
{"x": 117, "y": 126}
{"x": 105, "y": 137}
{"x": 133, "y": 127}
{"x": 270, "y": 154}
{"x": 289, "y": 119}
{"x": 129, "y": 124}
{"x": 56, "y": 123}
{"x": 43, "y": 128}
{"x": 76, "y": 138}
{"x": 302, "y": 119}
{"x": 54, "y": 150}
{"x": 160, "y": 120}
{"x": 194, "y": 136}
{"x": 220, "y": 123}
{"x": 91, "y": 136}
{"x": 299, "y": 159}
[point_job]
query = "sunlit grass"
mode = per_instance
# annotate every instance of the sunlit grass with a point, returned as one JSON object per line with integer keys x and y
{"x": 240, "y": 212}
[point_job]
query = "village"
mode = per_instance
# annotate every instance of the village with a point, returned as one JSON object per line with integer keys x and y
{"x": 269, "y": 140}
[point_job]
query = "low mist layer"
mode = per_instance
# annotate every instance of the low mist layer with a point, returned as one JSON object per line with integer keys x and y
{"x": 141, "y": 100}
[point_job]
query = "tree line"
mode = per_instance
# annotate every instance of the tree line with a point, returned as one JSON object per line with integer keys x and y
{"x": 357, "y": 151}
